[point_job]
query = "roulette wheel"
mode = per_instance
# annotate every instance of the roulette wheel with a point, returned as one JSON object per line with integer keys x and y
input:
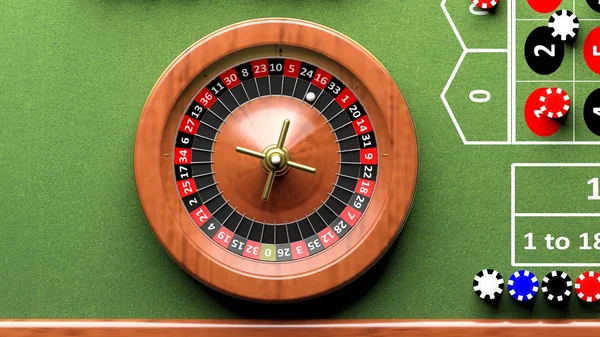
{"x": 275, "y": 160}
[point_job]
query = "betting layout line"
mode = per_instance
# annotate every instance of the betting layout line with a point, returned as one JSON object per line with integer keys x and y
{"x": 465, "y": 51}
{"x": 514, "y": 214}
{"x": 573, "y": 81}
{"x": 511, "y": 83}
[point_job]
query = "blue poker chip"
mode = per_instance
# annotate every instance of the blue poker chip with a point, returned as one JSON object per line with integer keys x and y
{"x": 523, "y": 285}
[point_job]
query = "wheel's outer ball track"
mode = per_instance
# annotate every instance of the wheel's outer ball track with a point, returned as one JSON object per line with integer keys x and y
{"x": 257, "y": 280}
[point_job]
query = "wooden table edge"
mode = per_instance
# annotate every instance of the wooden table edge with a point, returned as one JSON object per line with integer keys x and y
{"x": 267, "y": 328}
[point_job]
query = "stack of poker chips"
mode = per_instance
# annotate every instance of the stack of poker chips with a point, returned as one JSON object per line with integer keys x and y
{"x": 523, "y": 286}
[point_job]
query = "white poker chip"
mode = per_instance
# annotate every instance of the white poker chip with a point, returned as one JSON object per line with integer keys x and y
{"x": 488, "y": 284}
{"x": 565, "y": 24}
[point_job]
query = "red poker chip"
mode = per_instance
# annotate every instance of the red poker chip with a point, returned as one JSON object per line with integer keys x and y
{"x": 536, "y": 120}
{"x": 485, "y": 4}
{"x": 544, "y": 6}
{"x": 587, "y": 286}
{"x": 555, "y": 103}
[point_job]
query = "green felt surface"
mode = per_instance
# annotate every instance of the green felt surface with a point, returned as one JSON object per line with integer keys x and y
{"x": 74, "y": 242}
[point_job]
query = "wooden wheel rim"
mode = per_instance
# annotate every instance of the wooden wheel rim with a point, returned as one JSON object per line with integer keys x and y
{"x": 298, "y": 280}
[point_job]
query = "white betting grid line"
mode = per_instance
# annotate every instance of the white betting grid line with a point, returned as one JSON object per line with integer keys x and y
{"x": 465, "y": 51}
{"x": 513, "y": 84}
{"x": 514, "y": 215}
{"x": 557, "y": 215}
{"x": 547, "y": 19}
{"x": 509, "y": 73}
{"x": 558, "y": 81}
{"x": 513, "y": 254}
{"x": 573, "y": 109}
{"x": 573, "y": 81}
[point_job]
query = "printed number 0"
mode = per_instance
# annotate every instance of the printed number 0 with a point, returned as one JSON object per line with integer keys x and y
{"x": 551, "y": 52}
{"x": 480, "y": 96}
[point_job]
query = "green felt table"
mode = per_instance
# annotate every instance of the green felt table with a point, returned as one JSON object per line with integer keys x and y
{"x": 74, "y": 242}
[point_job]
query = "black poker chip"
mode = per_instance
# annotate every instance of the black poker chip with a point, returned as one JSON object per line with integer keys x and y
{"x": 594, "y": 4}
{"x": 557, "y": 286}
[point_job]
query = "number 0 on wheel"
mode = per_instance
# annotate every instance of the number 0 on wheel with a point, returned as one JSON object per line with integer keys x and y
{"x": 276, "y": 160}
